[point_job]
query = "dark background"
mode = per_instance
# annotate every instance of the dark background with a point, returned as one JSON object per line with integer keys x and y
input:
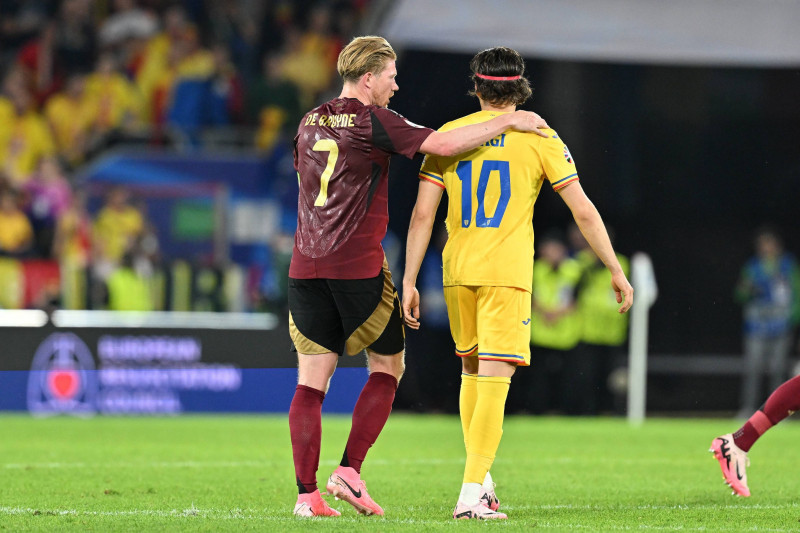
{"x": 683, "y": 163}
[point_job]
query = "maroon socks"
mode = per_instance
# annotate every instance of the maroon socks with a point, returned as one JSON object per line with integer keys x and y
{"x": 305, "y": 426}
{"x": 784, "y": 401}
{"x": 369, "y": 416}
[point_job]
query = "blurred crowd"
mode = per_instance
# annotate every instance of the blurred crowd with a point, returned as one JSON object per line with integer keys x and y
{"x": 80, "y": 76}
{"x": 578, "y": 339}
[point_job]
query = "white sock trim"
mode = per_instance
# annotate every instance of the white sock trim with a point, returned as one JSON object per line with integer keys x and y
{"x": 470, "y": 494}
{"x": 487, "y": 481}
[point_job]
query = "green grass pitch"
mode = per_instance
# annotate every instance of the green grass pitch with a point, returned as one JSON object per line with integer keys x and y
{"x": 234, "y": 473}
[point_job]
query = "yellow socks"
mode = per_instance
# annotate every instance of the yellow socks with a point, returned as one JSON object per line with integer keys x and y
{"x": 466, "y": 402}
{"x": 485, "y": 426}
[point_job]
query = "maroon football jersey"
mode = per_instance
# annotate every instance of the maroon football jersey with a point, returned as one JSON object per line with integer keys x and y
{"x": 341, "y": 154}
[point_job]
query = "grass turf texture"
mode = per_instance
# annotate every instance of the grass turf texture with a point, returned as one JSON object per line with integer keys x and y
{"x": 198, "y": 473}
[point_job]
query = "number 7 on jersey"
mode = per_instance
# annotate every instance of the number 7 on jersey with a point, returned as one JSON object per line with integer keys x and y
{"x": 325, "y": 145}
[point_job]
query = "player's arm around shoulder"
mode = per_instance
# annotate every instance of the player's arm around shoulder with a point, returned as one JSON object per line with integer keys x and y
{"x": 458, "y": 140}
{"x": 547, "y": 134}
{"x": 591, "y": 225}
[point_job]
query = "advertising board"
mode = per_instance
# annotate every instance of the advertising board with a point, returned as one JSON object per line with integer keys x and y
{"x": 87, "y": 363}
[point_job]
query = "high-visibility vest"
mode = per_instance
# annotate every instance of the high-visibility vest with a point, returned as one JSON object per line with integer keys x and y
{"x": 601, "y": 322}
{"x": 553, "y": 289}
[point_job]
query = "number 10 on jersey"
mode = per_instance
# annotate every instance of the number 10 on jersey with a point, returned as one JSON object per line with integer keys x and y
{"x": 464, "y": 173}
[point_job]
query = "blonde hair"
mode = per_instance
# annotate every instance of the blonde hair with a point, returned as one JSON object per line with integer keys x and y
{"x": 364, "y": 54}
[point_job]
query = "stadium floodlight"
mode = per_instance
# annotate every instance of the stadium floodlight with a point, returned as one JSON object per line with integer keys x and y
{"x": 644, "y": 282}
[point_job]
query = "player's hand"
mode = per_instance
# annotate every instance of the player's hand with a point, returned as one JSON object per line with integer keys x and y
{"x": 529, "y": 121}
{"x": 411, "y": 306}
{"x": 623, "y": 290}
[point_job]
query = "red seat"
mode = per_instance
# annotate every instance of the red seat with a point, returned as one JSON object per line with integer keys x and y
{"x": 42, "y": 281}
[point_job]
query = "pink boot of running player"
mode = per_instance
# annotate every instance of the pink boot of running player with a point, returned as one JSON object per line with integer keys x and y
{"x": 733, "y": 462}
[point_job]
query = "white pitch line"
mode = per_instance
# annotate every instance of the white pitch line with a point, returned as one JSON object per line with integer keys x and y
{"x": 545, "y": 507}
{"x": 152, "y": 464}
{"x": 217, "y": 464}
{"x": 211, "y": 513}
{"x": 251, "y": 514}
{"x": 268, "y": 464}
{"x": 645, "y": 527}
{"x": 647, "y": 507}
{"x": 324, "y": 462}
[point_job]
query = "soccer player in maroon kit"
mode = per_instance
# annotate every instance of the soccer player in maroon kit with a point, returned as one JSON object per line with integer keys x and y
{"x": 341, "y": 295}
{"x": 731, "y": 449}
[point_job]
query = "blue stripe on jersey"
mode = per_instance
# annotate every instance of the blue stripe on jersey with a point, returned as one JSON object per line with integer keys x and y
{"x": 434, "y": 176}
{"x": 501, "y": 355}
{"x": 467, "y": 351}
{"x": 562, "y": 179}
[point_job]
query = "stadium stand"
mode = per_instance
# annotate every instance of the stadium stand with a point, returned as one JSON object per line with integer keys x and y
{"x": 82, "y": 80}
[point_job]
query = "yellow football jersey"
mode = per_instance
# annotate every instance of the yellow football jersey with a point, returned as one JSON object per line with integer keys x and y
{"x": 491, "y": 191}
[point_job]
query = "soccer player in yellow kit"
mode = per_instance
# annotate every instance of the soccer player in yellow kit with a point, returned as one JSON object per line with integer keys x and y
{"x": 488, "y": 259}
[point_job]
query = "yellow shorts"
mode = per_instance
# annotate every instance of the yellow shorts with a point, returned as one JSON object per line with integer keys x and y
{"x": 492, "y": 322}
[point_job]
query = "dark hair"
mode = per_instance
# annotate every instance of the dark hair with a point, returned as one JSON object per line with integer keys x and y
{"x": 769, "y": 231}
{"x": 552, "y": 235}
{"x": 500, "y": 61}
